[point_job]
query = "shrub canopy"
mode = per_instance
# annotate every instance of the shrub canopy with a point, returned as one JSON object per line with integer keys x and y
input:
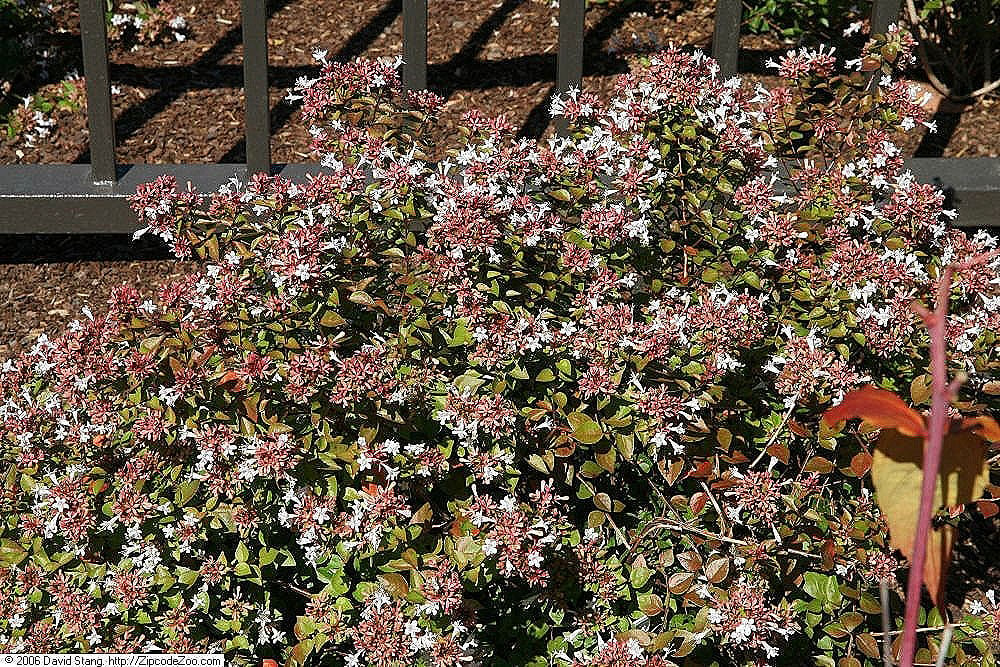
{"x": 529, "y": 404}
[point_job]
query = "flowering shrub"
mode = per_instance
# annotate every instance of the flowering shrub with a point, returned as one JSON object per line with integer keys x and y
{"x": 133, "y": 24}
{"x": 32, "y": 120}
{"x": 796, "y": 19}
{"x": 527, "y": 405}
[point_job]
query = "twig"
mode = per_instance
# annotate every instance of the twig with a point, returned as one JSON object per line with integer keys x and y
{"x": 718, "y": 509}
{"x": 945, "y": 645}
{"x": 296, "y": 589}
{"x": 685, "y": 528}
{"x": 937, "y": 323}
{"x": 930, "y": 628}
{"x": 925, "y": 62}
{"x": 774, "y": 435}
{"x": 883, "y": 587}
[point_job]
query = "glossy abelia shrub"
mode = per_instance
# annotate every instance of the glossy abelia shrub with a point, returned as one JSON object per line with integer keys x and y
{"x": 528, "y": 404}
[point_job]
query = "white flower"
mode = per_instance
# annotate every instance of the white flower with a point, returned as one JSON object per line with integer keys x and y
{"x": 853, "y": 28}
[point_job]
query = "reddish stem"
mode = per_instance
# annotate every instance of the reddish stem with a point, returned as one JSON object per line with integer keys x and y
{"x": 941, "y": 391}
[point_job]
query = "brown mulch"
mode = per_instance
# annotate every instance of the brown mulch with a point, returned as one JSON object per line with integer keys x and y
{"x": 45, "y": 281}
{"x": 182, "y": 102}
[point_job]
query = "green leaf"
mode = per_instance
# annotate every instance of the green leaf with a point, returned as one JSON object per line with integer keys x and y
{"x": 639, "y": 576}
{"x": 815, "y": 585}
{"x": 332, "y": 319}
{"x": 11, "y": 553}
{"x": 585, "y": 429}
{"x": 546, "y": 375}
{"x": 185, "y": 491}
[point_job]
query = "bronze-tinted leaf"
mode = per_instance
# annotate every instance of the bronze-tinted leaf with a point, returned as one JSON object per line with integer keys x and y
{"x": 680, "y": 582}
{"x": 861, "y": 463}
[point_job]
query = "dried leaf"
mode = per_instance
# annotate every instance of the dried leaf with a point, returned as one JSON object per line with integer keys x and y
{"x": 897, "y": 473}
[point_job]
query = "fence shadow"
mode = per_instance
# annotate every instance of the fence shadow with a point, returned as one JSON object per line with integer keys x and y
{"x": 204, "y": 72}
{"x": 53, "y": 248}
{"x": 933, "y": 144}
{"x": 284, "y": 77}
{"x": 538, "y": 119}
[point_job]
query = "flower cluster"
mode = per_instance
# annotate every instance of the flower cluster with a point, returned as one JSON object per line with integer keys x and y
{"x": 135, "y": 24}
{"x": 551, "y": 403}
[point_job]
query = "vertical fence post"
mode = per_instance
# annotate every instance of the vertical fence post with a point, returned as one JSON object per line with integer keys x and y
{"x": 100, "y": 120}
{"x": 415, "y": 44}
{"x": 258, "y": 105}
{"x": 726, "y": 38}
{"x": 569, "y": 62}
{"x": 884, "y": 13}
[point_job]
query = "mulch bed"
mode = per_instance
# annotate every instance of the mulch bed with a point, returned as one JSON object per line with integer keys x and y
{"x": 182, "y": 102}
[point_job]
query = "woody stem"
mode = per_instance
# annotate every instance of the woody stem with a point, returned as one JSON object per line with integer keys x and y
{"x": 936, "y": 323}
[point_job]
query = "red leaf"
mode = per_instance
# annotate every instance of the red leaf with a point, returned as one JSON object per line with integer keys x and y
{"x": 232, "y": 379}
{"x": 878, "y": 408}
{"x": 698, "y": 501}
{"x": 704, "y": 469}
{"x": 861, "y": 463}
{"x": 987, "y": 509}
{"x": 985, "y": 427}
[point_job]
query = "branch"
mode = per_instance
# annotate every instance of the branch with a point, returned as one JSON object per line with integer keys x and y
{"x": 937, "y": 323}
{"x": 686, "y": 528}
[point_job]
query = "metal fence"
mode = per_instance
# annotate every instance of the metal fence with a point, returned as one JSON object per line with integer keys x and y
{"x": 80, "y": 198}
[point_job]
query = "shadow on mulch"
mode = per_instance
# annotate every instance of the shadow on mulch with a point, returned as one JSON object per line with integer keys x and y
{"x": 975, "y": 568}
{"x": 56, "y": 248}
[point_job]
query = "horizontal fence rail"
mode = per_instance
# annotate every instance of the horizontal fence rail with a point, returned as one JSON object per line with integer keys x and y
{"x": 70, "y": 204}
{"x": 92, "y": 198}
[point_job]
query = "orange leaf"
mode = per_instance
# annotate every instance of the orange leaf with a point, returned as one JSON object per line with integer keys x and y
{"x": 879, "y": 408}
{"x": 234, "y": 381}
{"x": 897, "y": 473}
{"x": 985, "y": 427}
{"x": 861, "y": 463}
